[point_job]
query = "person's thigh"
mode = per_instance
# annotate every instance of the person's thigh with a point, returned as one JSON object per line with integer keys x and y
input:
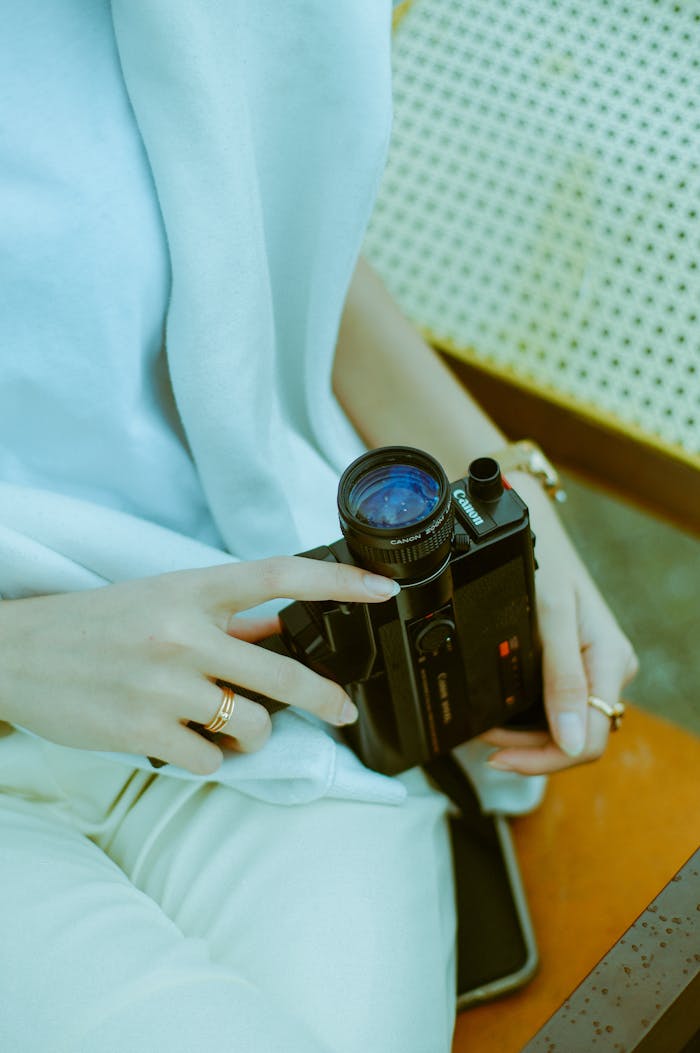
{"x": 92, "y": 965}
{"x": 221, "y": 913}
{"x": 342, "y": 911}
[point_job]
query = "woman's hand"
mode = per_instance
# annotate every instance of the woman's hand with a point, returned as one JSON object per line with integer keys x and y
{"x": 584, "y": 652}
{"x": 125, "y": 667}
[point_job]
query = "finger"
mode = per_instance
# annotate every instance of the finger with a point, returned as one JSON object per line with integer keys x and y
{"x": 251, "y": 743}
{"x": 505, "y": 737}
{"x": 531, "y": 757}
{"x": 247, "y": 729}
{"x": 252, "y": 629}
{"x": 565, "y": 682}
{"x": 609, "y": 664}
{"x": 536, "y": 753}
{"x": 188, "y": 750}
{"x": 276, "y": 676}
{"x": 238, "y": 586}
{"x": 536, "y": 760}
{"x": 525, "y": 752}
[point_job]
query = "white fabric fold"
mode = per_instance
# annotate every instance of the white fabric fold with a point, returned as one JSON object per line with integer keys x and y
{"x": 266, "y": 127}
{"x": 299, "y": 763}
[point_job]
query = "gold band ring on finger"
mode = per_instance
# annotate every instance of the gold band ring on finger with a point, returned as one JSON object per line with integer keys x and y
{"x": 615, "y": 711}
{"x": 225, "y": 710}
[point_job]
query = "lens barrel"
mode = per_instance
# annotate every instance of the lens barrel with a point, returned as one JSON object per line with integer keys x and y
{"x": 395, "y": 511}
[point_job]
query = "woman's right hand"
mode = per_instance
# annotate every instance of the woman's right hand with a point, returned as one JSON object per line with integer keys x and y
{"x": 125, "y": 667}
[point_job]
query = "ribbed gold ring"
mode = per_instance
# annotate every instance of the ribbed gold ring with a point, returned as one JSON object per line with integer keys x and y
{"x": 615, "y": 711}
{"x": 225, "y": 710}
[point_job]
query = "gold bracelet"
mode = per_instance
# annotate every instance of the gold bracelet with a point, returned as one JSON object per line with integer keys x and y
{"x": 526, "y": 456}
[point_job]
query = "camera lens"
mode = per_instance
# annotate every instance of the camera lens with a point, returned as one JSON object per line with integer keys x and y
{"x": 395, "y": 512}
{"x": 394, "y": 495}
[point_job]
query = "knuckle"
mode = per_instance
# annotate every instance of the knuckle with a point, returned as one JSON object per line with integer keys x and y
{"x": 274, "y": 572}
{"x": 621, "y": 641}
{"x": 168, "y": 637}
{"x": 166, "y": 651}
{"x": 288, "y": 679}
{"x": 344, "y": 578}
{"x": 551, "y": 607}
{"x": 158, "y": 681}
{"x": 568, "y": 687}
{"x": 622, "y": 654}
{"x": 632, "y": 665}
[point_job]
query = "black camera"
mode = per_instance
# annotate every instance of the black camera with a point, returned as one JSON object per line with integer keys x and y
{"x": 456, "y": 651}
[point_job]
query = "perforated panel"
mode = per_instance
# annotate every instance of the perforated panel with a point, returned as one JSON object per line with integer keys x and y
{"x": 541, "y": 205}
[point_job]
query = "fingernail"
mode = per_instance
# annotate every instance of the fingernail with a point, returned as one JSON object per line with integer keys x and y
{"x": 378, "y": 586}
{"x": 571, "y": 734}
{"x": 348, "y": 713}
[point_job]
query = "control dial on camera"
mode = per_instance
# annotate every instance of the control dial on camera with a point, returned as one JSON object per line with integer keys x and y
{"x": 435, "y": 636}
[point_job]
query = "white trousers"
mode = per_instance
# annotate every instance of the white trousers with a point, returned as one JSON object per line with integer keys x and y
{"x": 141, "y": 912}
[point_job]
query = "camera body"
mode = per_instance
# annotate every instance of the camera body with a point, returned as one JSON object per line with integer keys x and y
{"x": 456, "y": 652}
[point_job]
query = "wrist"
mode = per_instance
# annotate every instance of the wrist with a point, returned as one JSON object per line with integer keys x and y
{"x": 525, "y": 458}
{"x": 544, "y": 519}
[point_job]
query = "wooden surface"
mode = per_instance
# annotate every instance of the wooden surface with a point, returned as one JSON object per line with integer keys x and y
{"x": 608, "y": 837}
{"x": 644, "y": 995}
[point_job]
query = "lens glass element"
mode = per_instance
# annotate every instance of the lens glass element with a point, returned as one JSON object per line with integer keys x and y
{"x": 394, "y": 495}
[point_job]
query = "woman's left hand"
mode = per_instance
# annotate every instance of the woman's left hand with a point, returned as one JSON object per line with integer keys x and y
{"x": 584, "y": 653}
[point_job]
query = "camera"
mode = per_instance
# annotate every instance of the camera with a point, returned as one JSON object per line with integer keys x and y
{"x": 457, "y": 651}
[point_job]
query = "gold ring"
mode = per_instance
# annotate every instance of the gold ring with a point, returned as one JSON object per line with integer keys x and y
{"x": 615, "y": 711}
{"x": 225, "y": 710}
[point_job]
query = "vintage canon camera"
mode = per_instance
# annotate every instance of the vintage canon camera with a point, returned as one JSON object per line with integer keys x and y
{"x": 456, "y": 651}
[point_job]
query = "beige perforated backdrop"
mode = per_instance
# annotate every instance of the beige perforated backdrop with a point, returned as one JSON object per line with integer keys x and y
{"x": 540, "y": 213}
